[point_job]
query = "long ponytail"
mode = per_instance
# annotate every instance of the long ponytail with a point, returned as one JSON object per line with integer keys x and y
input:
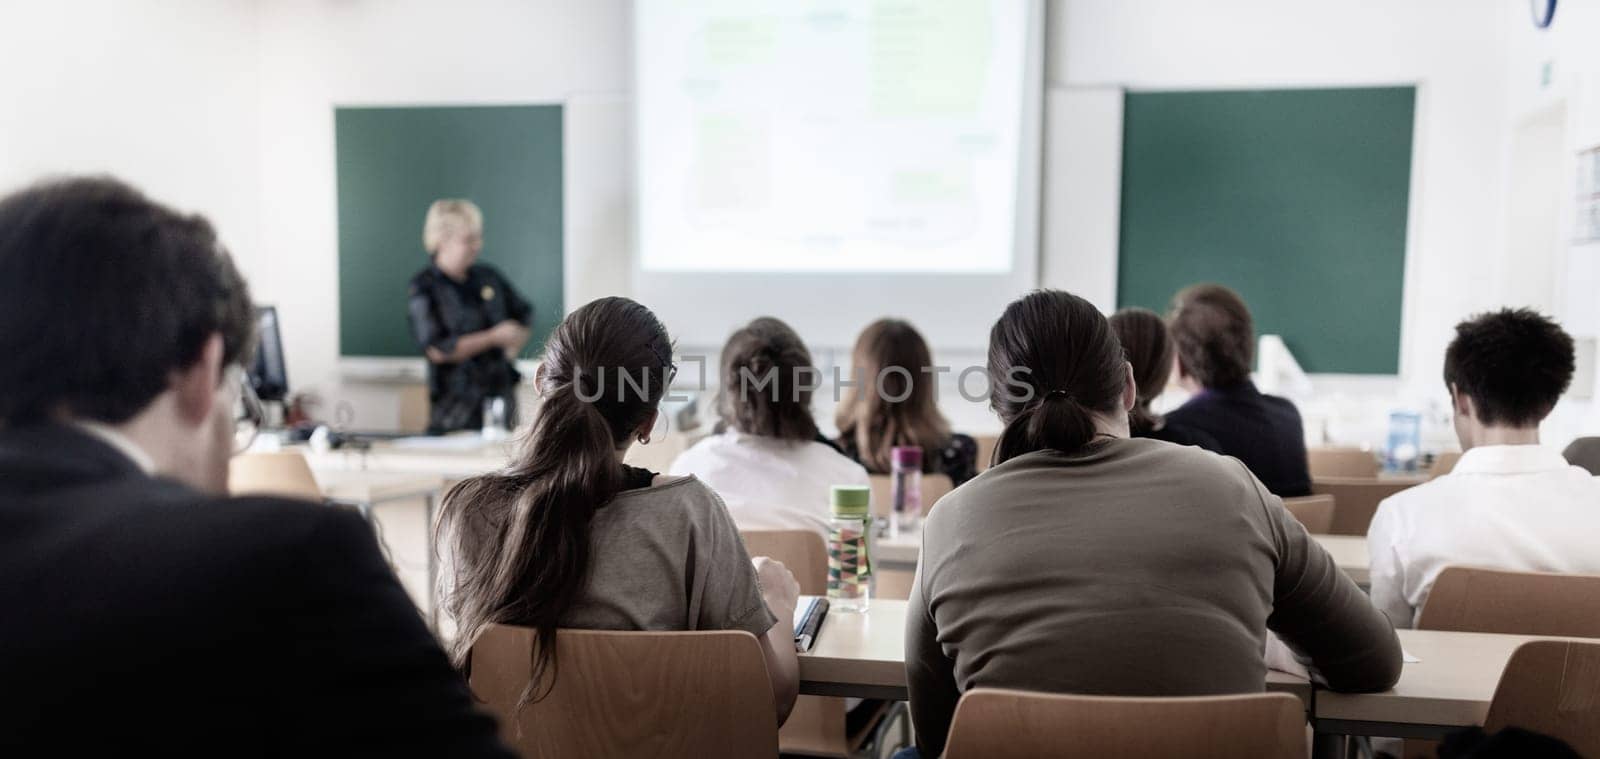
{"x": 521, "y": 537}
{"x": 1053, "y": 364}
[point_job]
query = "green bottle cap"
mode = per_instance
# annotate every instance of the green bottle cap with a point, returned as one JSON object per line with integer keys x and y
{"x": 851, "y": 500}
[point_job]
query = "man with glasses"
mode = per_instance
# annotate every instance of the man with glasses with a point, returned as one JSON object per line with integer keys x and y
{"x": 142, "y": 611}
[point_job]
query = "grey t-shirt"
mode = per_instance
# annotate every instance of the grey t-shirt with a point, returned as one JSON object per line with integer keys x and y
{"x": 1136, "y": 568}
{"x": 668, "y": 557}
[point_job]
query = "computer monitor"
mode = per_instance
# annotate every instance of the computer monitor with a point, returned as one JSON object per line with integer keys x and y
{"x": 267, "y": 373}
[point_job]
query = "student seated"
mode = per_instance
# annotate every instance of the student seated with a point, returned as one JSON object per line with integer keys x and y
{"x": 1510, "y": 503}
{"x": 570, "y": 537}
{"x": 1088, "y": 562}
{"x": 1149, "y": 351}
{"x": 895, "y": 403}
{"x": 144, "y": 611}
{"x": 1216, "y": 342}
{"x": 768, "y": 462}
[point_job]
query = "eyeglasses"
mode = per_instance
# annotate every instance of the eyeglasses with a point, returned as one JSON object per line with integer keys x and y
{"x": 247, "y": 411}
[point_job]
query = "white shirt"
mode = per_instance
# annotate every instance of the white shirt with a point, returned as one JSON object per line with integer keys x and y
{"x": 771, "y": 484}
{"x": 1520, "y": 508}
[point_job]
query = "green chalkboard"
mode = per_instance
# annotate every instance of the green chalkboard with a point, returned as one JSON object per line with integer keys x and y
{"x": 393, "y": 162}
{"x": 1295, "y": 198}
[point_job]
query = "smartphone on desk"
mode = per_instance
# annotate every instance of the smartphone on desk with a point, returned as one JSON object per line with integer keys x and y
{"x": 808, "y": 614}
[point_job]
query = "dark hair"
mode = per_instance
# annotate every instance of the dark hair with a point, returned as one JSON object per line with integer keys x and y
{"x": 1214, "y": 335}
{"x": 104, "y": 293}
{"x": 521, "y": 536}
{"x": 763, "y": 392}
{"x": 1148, "y": 347}
{"x": 895, "y": 402}
{"x": 1514, "y": 364}
{"x": 1053, "y": 362}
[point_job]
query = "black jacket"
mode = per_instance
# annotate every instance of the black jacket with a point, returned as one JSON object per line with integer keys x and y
{"x": 1263, "y": 431}
{"x": 139, "y": 617}
{"x": 441, "y": 311}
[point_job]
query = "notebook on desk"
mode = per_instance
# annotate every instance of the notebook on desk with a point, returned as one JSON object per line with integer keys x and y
{"x": 808, "y": 614}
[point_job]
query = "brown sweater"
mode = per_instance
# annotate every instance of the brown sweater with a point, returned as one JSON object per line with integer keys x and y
{"x": 1137, "y": 568}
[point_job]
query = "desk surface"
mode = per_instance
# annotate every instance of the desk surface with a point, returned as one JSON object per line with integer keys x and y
{"x": 1448, "y": 687}
{"x": 863, "y": 655}
{"x": 357, "y": 486}
{"x": 1349, "y": 552}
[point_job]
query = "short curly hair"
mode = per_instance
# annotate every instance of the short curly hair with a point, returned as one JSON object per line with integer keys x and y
{"x": 1514, "y": 364}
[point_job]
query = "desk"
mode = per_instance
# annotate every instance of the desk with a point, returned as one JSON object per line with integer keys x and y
{"x": 367, "y": 489}
{"x": 1448, "y": 689}
{"x": 863, "y": 656}
{"x": 445, "y": 460}
{"x": 1349, "y": 553}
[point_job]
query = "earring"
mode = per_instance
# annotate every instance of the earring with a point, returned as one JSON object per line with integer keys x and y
{"x": 644, "y": 440}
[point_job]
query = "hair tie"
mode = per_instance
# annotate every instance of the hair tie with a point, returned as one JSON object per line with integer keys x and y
{"x": 1058, "y": 394}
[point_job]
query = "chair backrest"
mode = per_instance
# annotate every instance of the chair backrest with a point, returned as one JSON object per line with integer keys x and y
{"x": 1341, "y": 462}
{"x": 934, "y": 487}
{"x": 1356, "y": 499}
{"x": 1470, "y": 599}
{"x": 414, "y": 407}
{"x": 1313, "y": 511}
{"x": 281, "y": 473}
{"x": 1001, "y": 724}
{"x": 622, "y": 694}
{"x": 1584, "y": 452}
{"x": 1551, "y": 687}
{"x": 986, "y": 446}
{"x": 1443, "y": 463}
{"x": 802, "y": 551}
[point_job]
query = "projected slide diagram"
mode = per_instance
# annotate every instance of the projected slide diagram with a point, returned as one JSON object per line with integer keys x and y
{"x": 860, "y": 135}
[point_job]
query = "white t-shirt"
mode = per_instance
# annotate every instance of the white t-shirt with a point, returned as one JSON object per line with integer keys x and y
{"x": 1519, "y": 508}
{"x": 771, "y": 484}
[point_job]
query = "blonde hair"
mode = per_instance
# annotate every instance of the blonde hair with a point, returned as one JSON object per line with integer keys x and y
{"x": 449, "y": 216}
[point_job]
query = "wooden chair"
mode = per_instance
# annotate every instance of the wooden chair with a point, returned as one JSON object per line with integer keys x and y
{"x": 1341, "y": 462}
{"x": 802, "y": 551}
{"x": 1356, "y": 499}
{"x": 1470, "y": 599}
{"x": 1007, "y": 724}
{"x": 280, "y": 473}
{"x": 816, "y": 726}
{"x": 934, "y": 487}
{"x": 628, "y": 694}
{"x": 1313, "y": 511}
{"x": 1584, "y": 452}
{"x": 1444, "y": 463}
{"x": 986, "y": 446}
{"x": 1551, "y": 687}
{"x": 414, "y": 406}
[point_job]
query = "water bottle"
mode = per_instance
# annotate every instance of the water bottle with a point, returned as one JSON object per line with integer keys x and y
{"x": 495, "y": 418}
{"x": 849, "y": 565}
{"x": 905, "y": 488}
{"x": 1405, "y": 441}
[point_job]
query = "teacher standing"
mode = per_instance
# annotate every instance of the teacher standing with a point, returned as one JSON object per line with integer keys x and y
{"x": 467, "y": 319}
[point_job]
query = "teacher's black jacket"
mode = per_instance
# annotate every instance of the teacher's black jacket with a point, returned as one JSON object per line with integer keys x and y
{"x": 141, "y": 618}
{"x": 441, "y": 311}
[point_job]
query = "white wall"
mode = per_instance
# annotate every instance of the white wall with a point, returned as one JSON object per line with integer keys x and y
{"x": 1555, "y": 74}
{"x": 160, "y": 94}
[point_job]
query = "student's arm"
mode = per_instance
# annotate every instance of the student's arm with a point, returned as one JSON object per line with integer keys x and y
{"x": 781, "y": 592}
{"x": 735, "y": 598}
{"x": 1386, "y": 572}
{"x": 1321, "y": 612}
{"x": 367, "y": 676}
{"x": 930, "y": 675}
